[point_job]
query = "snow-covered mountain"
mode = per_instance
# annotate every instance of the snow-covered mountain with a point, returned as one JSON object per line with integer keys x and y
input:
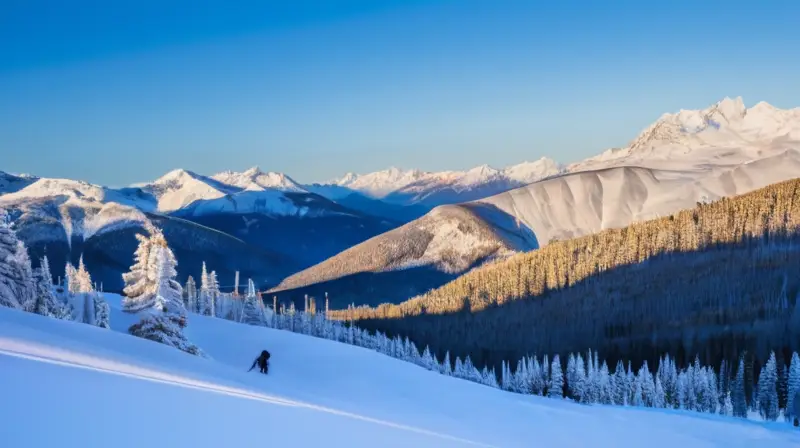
{"x": 407, "y": 187}
{"x": 682, "y": 159}
{"x": 724, "y": 134}
{"x": 206, "y": 213}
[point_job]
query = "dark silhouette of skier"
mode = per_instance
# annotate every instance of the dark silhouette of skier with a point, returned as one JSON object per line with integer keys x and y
{"x": 261, "y": 361}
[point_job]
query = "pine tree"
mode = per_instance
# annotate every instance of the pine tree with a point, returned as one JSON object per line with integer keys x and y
{"x": 153, "y": 293}
{"x": 46, "y": 302}
{"x": 793, "y": 385}
{"x": 447, "y": 368}
{"x": 17, "y": 286}
{"x": 660, "y": 398}
{"x": 83, "y": 279}
{"x": 621, "y": 385}
{"x": 190, "y": 295}
{"x": 252, "y": 313}
{"x": 606, "y": 384}
{"x": 102, "y": 313}
{"x": 214, "y": 293}
{"x": 727, "y": 405}
{"x": 556, "y": 386}
{"x": 206, "y": 305}
{"x": 647, "y": 385}
{"x": 767, "y": 390}
{"x": 72, "y": 286}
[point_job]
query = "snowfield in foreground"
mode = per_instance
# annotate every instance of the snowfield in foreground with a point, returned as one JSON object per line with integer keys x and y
{"x": 70, "y": 384}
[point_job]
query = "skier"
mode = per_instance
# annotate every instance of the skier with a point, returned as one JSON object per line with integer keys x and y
{"x": 262, "y": 362}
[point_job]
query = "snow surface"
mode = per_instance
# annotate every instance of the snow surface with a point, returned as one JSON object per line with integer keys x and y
{"x": 70, "y": 384}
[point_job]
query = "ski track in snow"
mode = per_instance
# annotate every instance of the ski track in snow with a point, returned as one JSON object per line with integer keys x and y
{"x": 49, "y": 355}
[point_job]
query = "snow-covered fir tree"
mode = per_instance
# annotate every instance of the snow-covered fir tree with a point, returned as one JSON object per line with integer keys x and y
{"x": 738, "y": 392}
{"x": 47, "y": 304}
{"x": 214, "y": 293}
{"x": 447, "y": 368}
{"x": 17, "y": 286}
{"x": 152, "y": 292}
{"x": 83, "y": 280}
{"x": 793, "y": 385}
{"x": 252, "y": 312}
{"x": 621, "y": 386}
{"x": 190, "y": 295}
{"x": 205, "y": 305}
{"x": 71, "y": 284}
{"x": 767, "y": 390}
{"x": 727, "y": 405}
{"x": 556, "y": 387}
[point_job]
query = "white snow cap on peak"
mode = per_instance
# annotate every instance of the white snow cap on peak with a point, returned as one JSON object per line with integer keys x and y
{"x": 256, "y": 179}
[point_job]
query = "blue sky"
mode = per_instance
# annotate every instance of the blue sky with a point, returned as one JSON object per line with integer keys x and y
{"x": 121, "y": 92}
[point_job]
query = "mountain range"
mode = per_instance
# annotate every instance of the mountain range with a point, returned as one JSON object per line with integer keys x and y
{"x": 680, "y": 160}
{"x": 391, "y": 234}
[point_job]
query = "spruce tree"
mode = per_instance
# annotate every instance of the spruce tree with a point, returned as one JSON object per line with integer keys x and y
{"x": 556, "y": 386}
{"x": 621, "y": 385}
{"x": 793, "y": 385}
{"x": 46, "y": 302}
{"x": 17, "y": 285}
{"x": 767, "y": 390}
{"x": 447, "y": 368}
{"x": 153, "y": 293}
{"x": 190, "y": 295}
{"x": 252, "y": 313}
{"x": 83, "y": 279}
{"x": 738, "y": 392}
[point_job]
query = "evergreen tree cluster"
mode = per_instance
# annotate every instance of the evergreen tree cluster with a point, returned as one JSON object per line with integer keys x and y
{"x": 21, "y": 286}
{"x": 717, "y": 280}
{"x": 584, "y": 379}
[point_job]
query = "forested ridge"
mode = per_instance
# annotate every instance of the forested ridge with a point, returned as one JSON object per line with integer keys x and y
{"x": 717, "y": 281}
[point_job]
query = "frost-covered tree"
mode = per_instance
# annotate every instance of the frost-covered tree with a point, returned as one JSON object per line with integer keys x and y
{"x": 556, "y": 386}
{"x": 621, "y": 386}
{"x": 447, "y": 368}
{"x": 727, "y": 405}
{"x": 190, "y": 295}
{"x": 47, "y": 304}
{"x": 102, "y": 313}
{"x": 578, "y": 389}
{"x": 660, "y": 398}
{"x": 647, "y": 385}
{"x": 793, "y": 385}
{"x": 252, "y": 313}
{"x": 83, "y": 279}
{"x": 205, "y": 302}
{"x": 214, "y": 293}
{"x": 606, "y": 388}
{"x": 767, "y": 390}
{"x": 17, "y": 285}
{"x": 153, "y": 293}
{"x": 71, "y": 283}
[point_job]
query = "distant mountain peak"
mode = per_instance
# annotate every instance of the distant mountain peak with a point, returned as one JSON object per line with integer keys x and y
{"x": 256, "y": 179}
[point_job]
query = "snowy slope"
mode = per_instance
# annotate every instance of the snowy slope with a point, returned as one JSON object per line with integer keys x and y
{"x": 436, "y": 188}
{"x": 94, "y": 387}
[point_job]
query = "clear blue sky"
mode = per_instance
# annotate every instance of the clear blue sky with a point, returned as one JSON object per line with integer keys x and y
{"x": 121, "y": 91}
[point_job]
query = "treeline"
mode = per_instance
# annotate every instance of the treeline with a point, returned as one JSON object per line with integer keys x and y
{"x": 588, "y": 380}
{"x": 715, "y": 281}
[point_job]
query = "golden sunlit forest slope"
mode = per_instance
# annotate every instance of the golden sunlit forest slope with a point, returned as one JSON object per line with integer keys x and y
{"x": 715, "y": 281}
